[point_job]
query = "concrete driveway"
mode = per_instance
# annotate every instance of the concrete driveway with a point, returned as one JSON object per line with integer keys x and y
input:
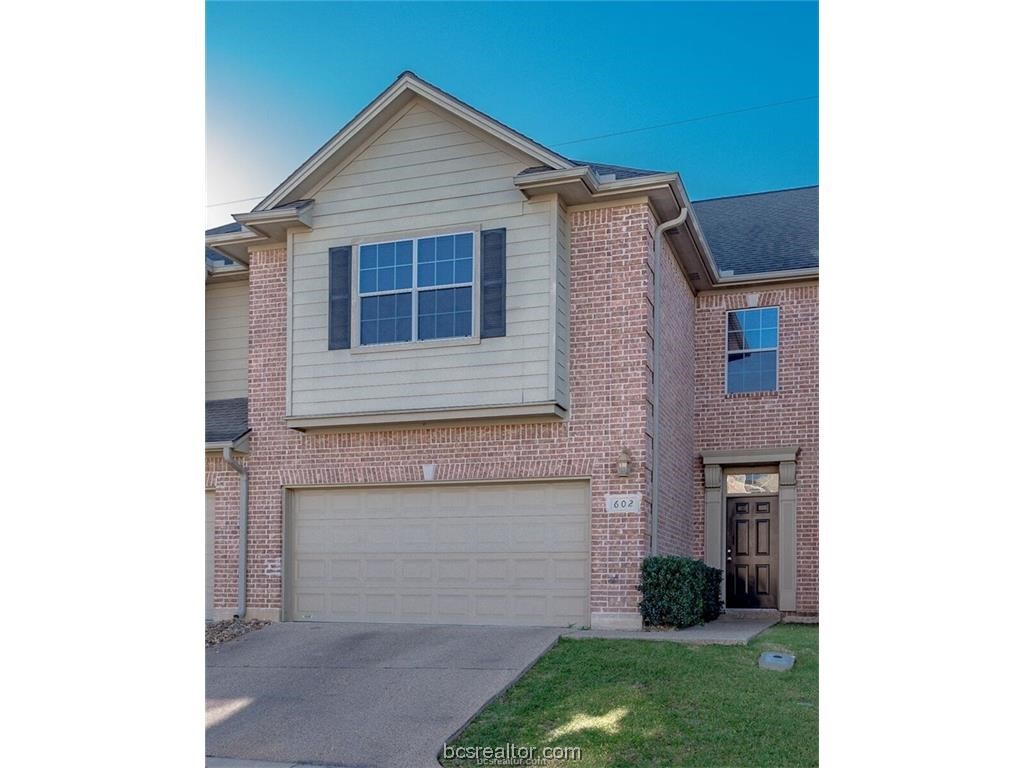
{"x": 357, "y": 694}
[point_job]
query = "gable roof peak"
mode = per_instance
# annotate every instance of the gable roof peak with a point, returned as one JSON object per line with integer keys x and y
{"x": 376, "y": 115}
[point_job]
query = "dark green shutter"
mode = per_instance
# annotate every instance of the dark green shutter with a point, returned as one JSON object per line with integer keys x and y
{"x": 339, "y": 321}
{"x": 492, "y": 283}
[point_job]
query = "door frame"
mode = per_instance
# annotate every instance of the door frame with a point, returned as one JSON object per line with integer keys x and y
{"x": 782, "y": 460}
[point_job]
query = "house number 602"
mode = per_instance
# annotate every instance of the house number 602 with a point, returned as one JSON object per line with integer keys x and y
{"x": 629, "y": 502}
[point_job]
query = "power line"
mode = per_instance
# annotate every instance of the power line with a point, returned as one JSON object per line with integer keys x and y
{"x": 619, "y": 133}
{"x": 687, "y": 120}
{"x": 243, "y": 200}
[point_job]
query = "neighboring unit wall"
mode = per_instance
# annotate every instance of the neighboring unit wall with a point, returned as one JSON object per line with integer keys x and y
{"x": 676, "y": 383}
{"x": 608, "y": 346}
{"x": 223, "y": 480}
{"x": 426, "y": 173}
{"x": 787, "y": 417}
{"x": 561, "y": 328}
{"x": 227, "y": 317}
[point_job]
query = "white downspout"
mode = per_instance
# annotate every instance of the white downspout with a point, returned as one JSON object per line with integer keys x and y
{"x": 656, "y": 459}
{"x": 243, "y": 525}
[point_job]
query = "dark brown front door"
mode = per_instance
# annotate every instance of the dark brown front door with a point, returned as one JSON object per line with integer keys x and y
{"x": 752, "y": 552}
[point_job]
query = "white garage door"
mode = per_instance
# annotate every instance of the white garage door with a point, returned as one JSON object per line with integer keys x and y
{"x": 514, "y": 554}
{"x": 209, "y": 554}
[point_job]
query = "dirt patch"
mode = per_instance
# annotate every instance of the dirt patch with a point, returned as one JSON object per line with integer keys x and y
{"x": 222, "y": 631}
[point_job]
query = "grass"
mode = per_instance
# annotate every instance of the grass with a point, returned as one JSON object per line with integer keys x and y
{"x": 641, "y": 704}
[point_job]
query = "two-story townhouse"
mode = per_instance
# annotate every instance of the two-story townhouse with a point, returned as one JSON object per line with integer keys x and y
{"x": 484, "y": 381}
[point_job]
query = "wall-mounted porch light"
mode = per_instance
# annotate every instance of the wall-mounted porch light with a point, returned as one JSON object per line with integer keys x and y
{"x": 622, "y": 467}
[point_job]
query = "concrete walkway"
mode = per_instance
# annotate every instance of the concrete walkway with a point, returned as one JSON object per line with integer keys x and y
{"x": 726, "y": 630}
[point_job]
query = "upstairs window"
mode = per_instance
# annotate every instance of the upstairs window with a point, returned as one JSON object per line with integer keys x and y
{"x": 752, "y": 350}
{"x": 418, "y": 289}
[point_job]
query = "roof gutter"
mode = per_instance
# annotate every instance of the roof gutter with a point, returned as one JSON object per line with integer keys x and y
{"x": 656, "y": 415}
{"x": 762, "y": 278}
{"x": 243, "y": 525}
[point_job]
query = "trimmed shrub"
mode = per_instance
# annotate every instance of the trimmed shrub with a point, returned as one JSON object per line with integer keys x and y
{"x": 678, "y": 591}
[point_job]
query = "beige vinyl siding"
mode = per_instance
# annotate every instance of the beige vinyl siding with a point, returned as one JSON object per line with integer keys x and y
{"x": 425, "y": 173}
{"x": 227, "y": 339}
{"x": 562, "y": 310}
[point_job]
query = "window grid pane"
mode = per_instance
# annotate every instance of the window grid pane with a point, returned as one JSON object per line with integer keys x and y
{"x": 753, "y": 329}
{"x": 752, "y": 371}
{"x": 385, "y": 267}
{"x": 752, "y": 338}
{"x": 387, "y": 288}
{"x": 445, "y": 313}
{"x": 445, "y": 260}
{"x": 385, "y": 319}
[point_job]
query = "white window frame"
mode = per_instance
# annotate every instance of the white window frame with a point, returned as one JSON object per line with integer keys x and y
{"x": 775, "y": 349}
{"x": 415, "y": 342}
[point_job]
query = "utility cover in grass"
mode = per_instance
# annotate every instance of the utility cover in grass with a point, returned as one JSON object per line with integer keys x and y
{"x": 780, "y": 662}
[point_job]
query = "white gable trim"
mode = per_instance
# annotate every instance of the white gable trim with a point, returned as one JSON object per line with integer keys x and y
{"x": 381, "y": 110}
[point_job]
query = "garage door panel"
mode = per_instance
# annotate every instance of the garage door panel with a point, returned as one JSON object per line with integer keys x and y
{"x": 314, "y": 537}
{"x": 490, "y": 606}
{"x": 344, "y": 603}
{"x": 571, "y": 570}
{"x": 472, "y": 554}
{"x": 346, "y": 570}
{"x": 380, "y": 570}
{"x": 455, "y": 536}
{"x": 311, "y": 602}
{"x": 417, "y": 571}
{"x": 338, "y": 538}
{"x": 492, "y": 572}
{"x": 311, "y": 569}
{"x": 457, "y": 572}
{"x": 416, "y": 606}
{"x": 415, "y": 536}
{"x": 381, "y": 605}
{"x": 493, "y": 532}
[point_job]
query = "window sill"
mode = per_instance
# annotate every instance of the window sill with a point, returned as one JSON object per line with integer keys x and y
{"x": 751, "y": 395}
{"x": 405, "y": 346}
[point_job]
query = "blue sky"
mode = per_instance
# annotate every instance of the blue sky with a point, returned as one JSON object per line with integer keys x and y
{"x": 281, "y": 78}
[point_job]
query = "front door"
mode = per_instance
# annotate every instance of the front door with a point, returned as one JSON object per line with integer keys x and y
{"x": 752, "y": 552}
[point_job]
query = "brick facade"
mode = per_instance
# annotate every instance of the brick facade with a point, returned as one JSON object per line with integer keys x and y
{"x": 609, "y": 394}
{"x": 611, "y": 407}
{"x": 786, "y": 417}
{"x": 675, "y": 513}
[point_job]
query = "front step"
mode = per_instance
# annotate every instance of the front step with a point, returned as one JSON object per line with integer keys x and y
{"x": 756, "y": 614}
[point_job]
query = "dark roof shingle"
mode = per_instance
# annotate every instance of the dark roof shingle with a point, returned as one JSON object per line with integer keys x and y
{"x": 599, "y": 169}
{"x": 226, "y": 420}
{"x": 762, "y": 232}
{"x": 219, "y": 259}
{"x": 223, "y": 229}
{"x": 617, "y": 171}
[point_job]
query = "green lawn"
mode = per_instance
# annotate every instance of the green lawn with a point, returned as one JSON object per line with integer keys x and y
{"x": 632, "y": 703}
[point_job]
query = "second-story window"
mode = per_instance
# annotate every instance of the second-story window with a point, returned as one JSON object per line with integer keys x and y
{"x": 418, "y": 289}
{"x": 752, "y": 350}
